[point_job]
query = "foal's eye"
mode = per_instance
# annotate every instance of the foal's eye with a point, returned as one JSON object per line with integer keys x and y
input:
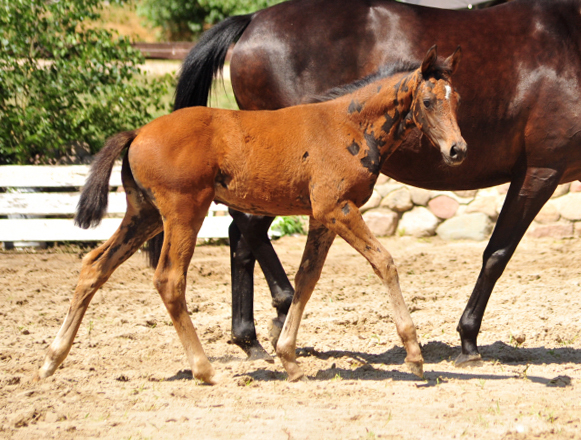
{"x": 427, "y": 103}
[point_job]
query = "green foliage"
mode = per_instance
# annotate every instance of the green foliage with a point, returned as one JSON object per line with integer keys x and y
{"x": 63, "y": 82}
{"x": 290, "y": 225}
{"x": 182, "y": 20}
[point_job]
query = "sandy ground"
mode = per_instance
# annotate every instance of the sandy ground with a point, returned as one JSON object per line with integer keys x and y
{"x": 127, "y": 377}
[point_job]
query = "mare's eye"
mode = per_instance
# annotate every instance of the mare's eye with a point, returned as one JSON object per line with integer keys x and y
{"x": 427, "y": 103}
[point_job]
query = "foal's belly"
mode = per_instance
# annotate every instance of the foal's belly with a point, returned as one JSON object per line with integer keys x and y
{"x": 270, "y": 203}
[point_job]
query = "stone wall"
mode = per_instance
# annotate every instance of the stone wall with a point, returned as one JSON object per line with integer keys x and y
{"x": 395, "y": 208}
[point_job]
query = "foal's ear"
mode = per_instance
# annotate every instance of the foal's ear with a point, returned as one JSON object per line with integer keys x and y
{"x": 454, "y": 59}
{"x": 430, "y": 60}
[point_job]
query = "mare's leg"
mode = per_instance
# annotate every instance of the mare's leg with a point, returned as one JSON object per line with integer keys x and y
{"x": 181, "y": 226}
{"x": 249, "y": 242}
{"x": 528, "y": 192}
{"x": 140, "y": 223}
{"x": 319, "y": 241}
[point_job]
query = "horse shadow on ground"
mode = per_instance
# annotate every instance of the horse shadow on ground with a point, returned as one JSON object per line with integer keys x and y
{"x": 434, "y": 352}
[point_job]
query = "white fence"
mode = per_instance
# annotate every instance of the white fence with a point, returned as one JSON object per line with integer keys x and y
{"x": 37, "y": 204}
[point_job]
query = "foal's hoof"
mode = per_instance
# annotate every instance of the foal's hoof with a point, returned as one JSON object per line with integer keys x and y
{"x": 212, "y": 379}
{"x": 274, "y": 330}
{"x": 295, "y": 374}
{"x": 257, "y": 353}
{"x": 416, "y": 368}
{"x": 468, "y": 360}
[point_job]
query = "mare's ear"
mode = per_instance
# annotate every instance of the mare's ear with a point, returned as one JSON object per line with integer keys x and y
{"x": 454, "y": 59}
{"x": 430, "y": 60}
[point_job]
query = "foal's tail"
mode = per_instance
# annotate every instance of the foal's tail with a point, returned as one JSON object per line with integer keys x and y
{"x": 206, "y": 61}
{"x": 93, "y": 202}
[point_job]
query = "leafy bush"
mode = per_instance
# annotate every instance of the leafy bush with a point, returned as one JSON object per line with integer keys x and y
{"x": 63, "y": 82}
{"x": 182, "y": 20}
{"x": 289, "y": 225}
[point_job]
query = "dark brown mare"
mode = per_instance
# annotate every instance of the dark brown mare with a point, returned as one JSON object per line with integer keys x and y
{"x": 319, "y": 159}
{"x": 521, "y": 106}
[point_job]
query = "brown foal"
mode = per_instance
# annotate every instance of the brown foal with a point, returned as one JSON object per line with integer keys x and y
{"x": 319, "y": 159}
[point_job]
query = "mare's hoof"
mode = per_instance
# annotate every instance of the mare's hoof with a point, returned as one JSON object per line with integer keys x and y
{"x": 416, "y": 368}
{"x": 274, "y": 330}
{"x": 257, "y": 353}
{"x": 468, "y": 360}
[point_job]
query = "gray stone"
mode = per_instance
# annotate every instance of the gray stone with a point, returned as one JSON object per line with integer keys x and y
{"x": 486, "y": 204}
{"x": 475, "y": 226}
{"x": 388, "y": 187}
{"x": 569, "y": 206}
{"x": 373, "y": 202}
{"x": 381, "y": 221}
{"x": 561, "y": 190}
{"x": 503, "y": 189}
{"x": 548, "y": 214}
{"x": 381, "y": 179}
{"x": 420, "y": 196}
{"x": 467, "y": 194}
{"x": 399, "y": 200}
{"x": 575, "y": 186}
{"x": 563, "y": 229}
{"x": 419, "y": 222}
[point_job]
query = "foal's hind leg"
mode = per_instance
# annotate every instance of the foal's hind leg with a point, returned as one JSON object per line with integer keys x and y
{"x": 181, "y": 230}
{"x": 139, "y": 224}
{"x": 345, "y": 219}
{"x": 319, "y": 241}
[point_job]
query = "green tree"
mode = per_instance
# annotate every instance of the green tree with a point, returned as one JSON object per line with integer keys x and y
{"x": 182, "y": 20}
{"x": 62, "y": 81}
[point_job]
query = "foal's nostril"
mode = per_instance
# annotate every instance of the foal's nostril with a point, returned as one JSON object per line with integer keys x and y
{"x": 457, "y": 153}
{"x": 454, "y": 151}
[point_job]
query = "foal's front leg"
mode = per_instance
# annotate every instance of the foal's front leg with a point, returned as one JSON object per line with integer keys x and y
{"x": 319, "y": 241}
{"x": 345, "y": 219}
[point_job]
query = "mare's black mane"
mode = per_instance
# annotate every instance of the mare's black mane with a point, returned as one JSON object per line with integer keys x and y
{"x": 383, "y": 72}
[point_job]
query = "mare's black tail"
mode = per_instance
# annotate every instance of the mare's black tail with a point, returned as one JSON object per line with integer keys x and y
{"x": 203, "y": 64}
{"x": 206, "y": 61}
{"x": 94, "y": 196}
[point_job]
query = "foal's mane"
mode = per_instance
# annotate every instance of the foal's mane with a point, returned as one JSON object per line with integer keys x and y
{"x": 384, "y": 71}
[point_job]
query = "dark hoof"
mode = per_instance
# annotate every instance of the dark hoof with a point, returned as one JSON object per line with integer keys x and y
{"x": 258, "y": 353}
{"x": 468, "y": 360}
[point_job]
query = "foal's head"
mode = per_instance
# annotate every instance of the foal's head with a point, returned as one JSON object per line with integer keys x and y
{"x": 435, "y": 103}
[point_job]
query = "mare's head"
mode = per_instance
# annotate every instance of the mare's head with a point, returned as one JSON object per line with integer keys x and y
{"x": 435, "y": 103}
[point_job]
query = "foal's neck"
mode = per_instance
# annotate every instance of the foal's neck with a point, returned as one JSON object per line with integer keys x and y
{"x": 384, "y": 107}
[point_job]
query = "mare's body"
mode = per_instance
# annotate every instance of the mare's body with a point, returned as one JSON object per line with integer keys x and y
{"x": 521, "y": 107}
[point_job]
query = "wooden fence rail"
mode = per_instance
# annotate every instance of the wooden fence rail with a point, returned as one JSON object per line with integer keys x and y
{"x": 37, "y": 203}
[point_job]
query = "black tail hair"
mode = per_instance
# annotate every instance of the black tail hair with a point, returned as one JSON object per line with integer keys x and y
{"x": 206, "y": 61}
{"x": 94, "y": 196}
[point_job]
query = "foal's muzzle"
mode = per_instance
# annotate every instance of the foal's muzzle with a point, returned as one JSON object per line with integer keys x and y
{"x": 457, "y": 153}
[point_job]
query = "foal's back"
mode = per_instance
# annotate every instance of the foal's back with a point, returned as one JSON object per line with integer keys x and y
{"x": 262, "y": 162}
